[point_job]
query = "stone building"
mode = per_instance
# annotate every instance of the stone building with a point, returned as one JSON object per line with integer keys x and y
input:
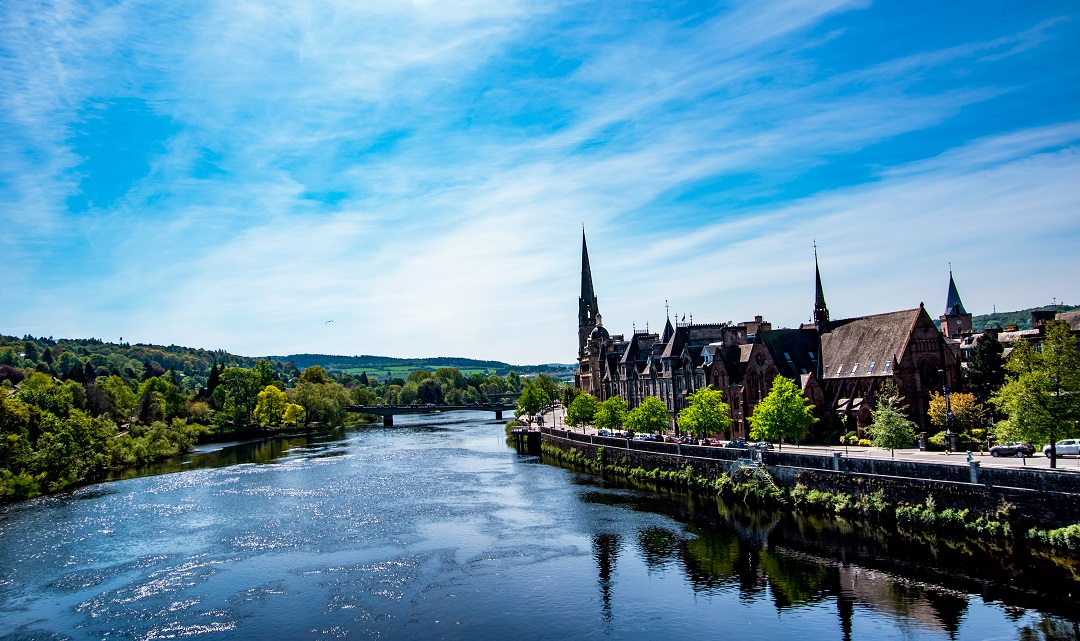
{"x": 841, "y": 365}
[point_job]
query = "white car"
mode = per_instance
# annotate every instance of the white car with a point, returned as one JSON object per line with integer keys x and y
{"x": 1067, "y": 447}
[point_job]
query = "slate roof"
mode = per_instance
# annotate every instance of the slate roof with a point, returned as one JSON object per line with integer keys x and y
{"x": 794, "y": 351}
{"x": 1072, "y": 318}
{"x": 874, "y": 339}
{"x": 953, "y": 305}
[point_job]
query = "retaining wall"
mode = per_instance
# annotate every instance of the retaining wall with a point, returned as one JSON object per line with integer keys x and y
{"x": 1046, "y": 498}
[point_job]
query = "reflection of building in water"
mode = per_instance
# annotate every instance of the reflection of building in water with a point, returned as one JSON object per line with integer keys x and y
{"x": 935, "y": 609}
{"x": 606, "y": 550}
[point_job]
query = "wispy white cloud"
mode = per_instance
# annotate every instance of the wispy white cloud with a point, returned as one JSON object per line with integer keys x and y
{"x": 389, "y": 166}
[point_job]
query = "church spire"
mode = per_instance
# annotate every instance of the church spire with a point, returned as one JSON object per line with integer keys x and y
{"x": 956, "y": 321}
{"x": 588, "y": 310}
{"x": 821, "y": 311}
{"x": 953, "y": 305}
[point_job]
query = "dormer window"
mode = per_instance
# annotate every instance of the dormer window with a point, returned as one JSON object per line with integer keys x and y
{"x": 840, "y": 369}
{"x": 870, "y": 370}
{"x": 855, "y": 369}
{"x": 885, "y": 368}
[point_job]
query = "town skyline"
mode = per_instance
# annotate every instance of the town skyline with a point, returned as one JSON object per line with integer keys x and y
{"x": 234, "y": 177}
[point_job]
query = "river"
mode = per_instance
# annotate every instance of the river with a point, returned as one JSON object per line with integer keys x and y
{"x": 436, "y": 529}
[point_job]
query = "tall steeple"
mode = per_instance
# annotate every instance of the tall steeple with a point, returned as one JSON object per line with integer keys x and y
{"x": 821, "y": 311}
{"x": 588, "y": 310}
{"x": 953, "y": 305}
{"x": 956, "y": 320}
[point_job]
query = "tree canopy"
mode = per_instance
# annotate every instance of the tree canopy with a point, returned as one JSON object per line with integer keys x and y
{"x": 890, "y": 428}
{"x": 582, "y": 410}
{"x": 611, "y": 414}
{"x": 985, "y": 373}
{"x": 785, "y": 413}
{"x": 705, "y": 414}
{"x": 649, "y": 417}
{"x": 1041, "y": 395}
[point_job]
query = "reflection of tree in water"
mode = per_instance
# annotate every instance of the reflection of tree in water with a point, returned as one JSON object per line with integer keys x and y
{"x": 606, "y": 550}
{"x": 950, "y": 608}
{"x": 658, "y": 546}
{"x": 794, "y": 581}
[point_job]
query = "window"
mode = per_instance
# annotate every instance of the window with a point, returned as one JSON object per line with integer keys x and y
{"x": 854, "y": 369}
{"x": 870, "y": 370}
{"x": 885, "y": 368}
{"x": 840, "y": 369}
{"x": 825, "y": 370}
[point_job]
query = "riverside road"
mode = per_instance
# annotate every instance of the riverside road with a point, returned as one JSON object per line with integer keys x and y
{"x": 912, "y": 454}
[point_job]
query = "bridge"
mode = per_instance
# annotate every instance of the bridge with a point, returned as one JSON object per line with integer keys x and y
{"x": 388, "y": 412}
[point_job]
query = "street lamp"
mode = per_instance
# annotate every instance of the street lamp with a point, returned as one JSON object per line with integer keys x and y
{"x": 948, "y": 412}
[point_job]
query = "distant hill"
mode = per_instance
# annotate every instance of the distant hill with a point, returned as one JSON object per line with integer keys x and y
{"x": 1021, "y": 318}
{"x": 380, "y": 365}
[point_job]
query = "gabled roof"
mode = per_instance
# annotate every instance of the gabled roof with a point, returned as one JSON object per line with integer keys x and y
{"x": 874, "y": 339}
{"x": 1072, "y": 318}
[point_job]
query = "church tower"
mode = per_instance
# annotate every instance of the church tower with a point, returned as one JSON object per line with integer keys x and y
{"x": 588, "y": 311}
{"x": 955, "y": 321}
{"x": 821, "y": 311}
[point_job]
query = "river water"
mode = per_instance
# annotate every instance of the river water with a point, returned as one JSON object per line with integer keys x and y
{"x": 436, "y": 529}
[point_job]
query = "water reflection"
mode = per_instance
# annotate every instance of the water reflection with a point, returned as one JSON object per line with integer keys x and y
{"x": 606, "y": 551}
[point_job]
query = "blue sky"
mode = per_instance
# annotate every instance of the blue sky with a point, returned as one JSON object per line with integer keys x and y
{"x": 233, "y": 175}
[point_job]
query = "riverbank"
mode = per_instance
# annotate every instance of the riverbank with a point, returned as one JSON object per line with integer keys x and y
{"x": 953, "y": 506}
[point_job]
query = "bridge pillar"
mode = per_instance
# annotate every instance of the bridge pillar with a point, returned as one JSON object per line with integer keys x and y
{"x": 388, "y": 420}
{"x": 498, "y": 415}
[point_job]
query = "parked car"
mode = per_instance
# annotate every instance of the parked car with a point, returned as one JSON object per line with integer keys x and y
{"x": 671, "y": 439}
{"x": 762, "y": 445}
{"x": 1067, "y": 447}
{"x": 736, "y": 443}
{"x": 688, "y": 440}
{"x": 603, "y": 433}
{"x": 715, "y": 442}
{"x": 1012, "y": 449}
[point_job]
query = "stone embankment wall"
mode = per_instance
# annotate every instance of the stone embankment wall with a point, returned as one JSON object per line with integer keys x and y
{"x": 1046, "y": 498}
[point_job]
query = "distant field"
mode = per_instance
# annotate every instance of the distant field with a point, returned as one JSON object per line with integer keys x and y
{"x": 403, "y": 372}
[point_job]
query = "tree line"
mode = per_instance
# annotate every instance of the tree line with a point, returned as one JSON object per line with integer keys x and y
{"x": 72, "y": 410}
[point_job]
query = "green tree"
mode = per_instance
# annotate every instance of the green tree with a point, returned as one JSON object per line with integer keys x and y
{"x": 1042, "y": 395}
{"x": 532, "y": 400}
{"x": 985, "y": 373}
{"x": 890, "y": 428}
{"x": 122, "y": 397}
{"x": 430, "y": 392}
{"x": 611, "y": 414}
{"x": 270, "y": 406}
{"x": 784, "y": 413}
{"x": 323, "y": 402}
{"x": 294, "y": 414}
{"x": 241, "y": 388}
{"x": 706, "y": 413}
{"x": 582, "y": 410}
{"x": 649, "y": 417}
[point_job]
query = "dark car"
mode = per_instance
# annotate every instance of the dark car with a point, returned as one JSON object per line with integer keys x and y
{"x": 1012, "y": 449}
{"x": 740, "y": 443}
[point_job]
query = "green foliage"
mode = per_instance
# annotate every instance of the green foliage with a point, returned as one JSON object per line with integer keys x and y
{"x": 985, "y": 373}
{"x": 323, "y": 402}
{"x": 784, "y": 413}
{"x": 611, "y": 414}
{"x": 891, "y": 429}
{"x": 532, "y": 400}
{"x": 1067, "y": 537}
{"x": 1042, "y": 394}
{"x": 706, "y": 414}
{"x": 649, "y": 417}
{"x": 582, "y": 410}
{"x": 270, "y": 406}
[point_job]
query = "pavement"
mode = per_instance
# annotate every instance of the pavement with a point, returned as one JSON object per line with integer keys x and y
{"x": 913, "y": 454}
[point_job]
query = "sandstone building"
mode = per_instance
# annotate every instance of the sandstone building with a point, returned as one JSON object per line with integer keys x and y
{"x": 840, "y": 365}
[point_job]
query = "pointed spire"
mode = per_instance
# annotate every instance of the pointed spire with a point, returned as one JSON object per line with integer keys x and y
{"x": 953, "y": 305}
{"x": 821, "y": 310}
{"x": 587, "y": 305}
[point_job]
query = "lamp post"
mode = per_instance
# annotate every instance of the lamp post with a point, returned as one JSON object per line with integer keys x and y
{"x": 948, "y": 412}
